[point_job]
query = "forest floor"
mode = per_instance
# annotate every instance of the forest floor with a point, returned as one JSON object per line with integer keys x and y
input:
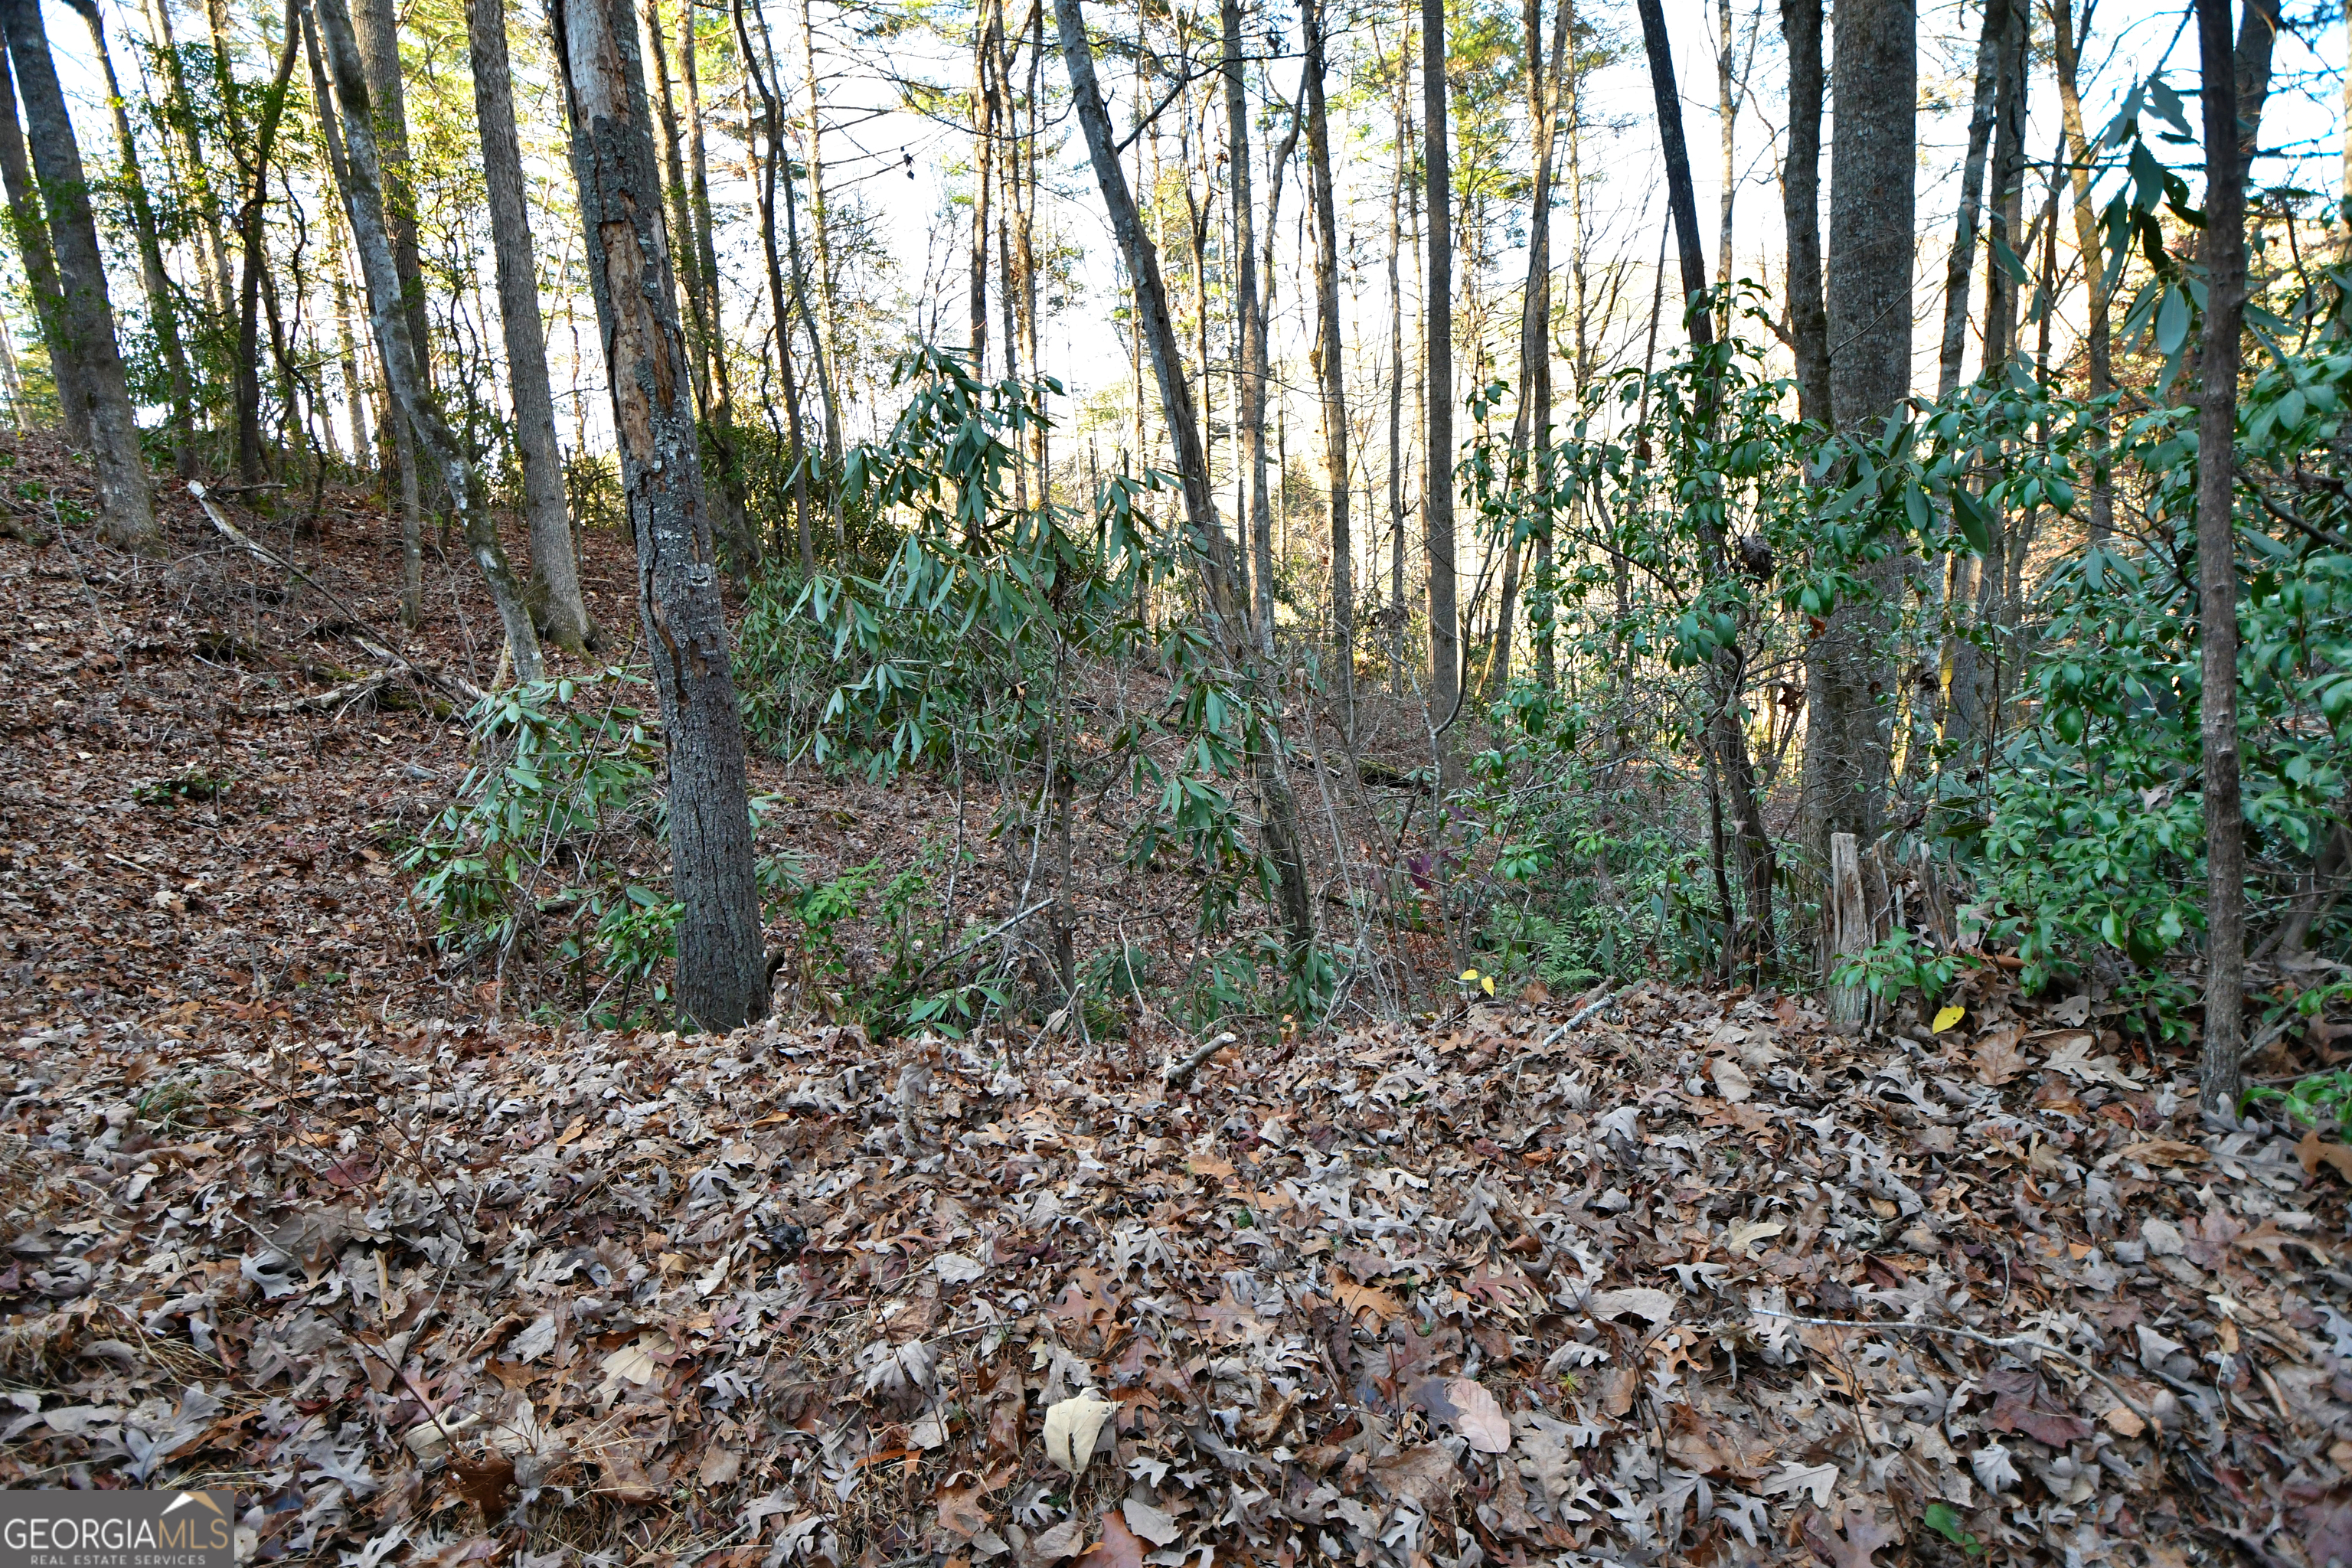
{"x": 296, "y": 1208}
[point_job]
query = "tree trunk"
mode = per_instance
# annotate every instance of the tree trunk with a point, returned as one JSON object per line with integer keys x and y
{"x": 983, "y": 163}
{"x": 1531, "y": 422}
{"x": 1396, "y": 371}
{"x": 722, "y": 977}
{"x": 2216, "y": 565}
{"x": 253, "y": 258}
{"x": 212, "y": 257}
{"x": 1872, "y": 175}
{"x": 1331, "y": 371}
{"x": 2008, "y": 214}
{"x": 1248, "y": 325}
{"x": 1727, "y": 736}
{"x": 379, "y": 45}
{"x": 741, "y": 541}
{"x": 1285, "y": 842}
{"x": 163, "y": 310}
{"x": 2066, "y": 43}
{"x": 1961, "y": 264}
{"x": 771, "y": 113}
{"x": 1801, "y": 209}
{"x": 554, "y": 594}
{"x": 371, "y": 231}
{"x": 29, "y": 223}
{"x": 394, "y": 428}
{"x": 820, "y": 234}
{"x": 126, "y": 505}
{"x": 1262, "y": 363}
{"x": 2258, "y": 27}
{"x": 1437, "y": 353}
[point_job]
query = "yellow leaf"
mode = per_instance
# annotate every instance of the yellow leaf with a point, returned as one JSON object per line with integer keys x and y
{"x": 1488, "y": 981}
{"x": 1468, "y": 975}
{"x": 1949, "y": 1017}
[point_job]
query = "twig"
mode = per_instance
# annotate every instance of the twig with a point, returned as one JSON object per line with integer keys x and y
{"x": 2012, "y": 1342}
{"x": 374, "y": 643}
{"x": 350, "y": 692}
{"x": 1576, "y": 1021}
{"x": 1177, "y": 1072}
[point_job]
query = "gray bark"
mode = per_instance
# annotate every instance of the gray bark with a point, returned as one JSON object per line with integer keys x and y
{"x": 2007, "y": 216}
{"x": 1285, "y": 842}
{"x": 2216, "y": 565}
{"x": 1962, "y": 266}
{"x": 212, "y": 258}
{"x": 1251, "y": 328}
{"x": 554, "y": 594}
{"x": 1872, "y": 173}
{"x": 2067, "y": 35}
{"x": 1801, "y": 208}
{"x": 29, "y": 227}
{"x": 722, "y": 981}
{"x": 379, "y": 44}
{"x": 1437, "y": 505}
{"x": 1330, "y": 373}
{"x": 126, "y": 504}
{"x": 163, "y": 310}
{"x": 363, "y": 205}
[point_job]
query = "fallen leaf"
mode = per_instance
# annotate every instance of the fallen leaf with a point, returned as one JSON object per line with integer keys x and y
{"x": 1947, "y": 1017}
{"x": 2165, "y": 1151}
{"x": 1477, "y": 1416}
{"x": 1052, "y": 1544}
{"x": 955, "y": 1269}
{"x": 1997, "y": 1058}
{"x": 2313, "y": 1150}
{"x": 1655, "y": 1306}
{"x": 1118, "y": 1548}
{"x": 1155, "y": 1525}
{"x": 1073, "y": 1426}
{"x": 1731, "y": 1080}
{"x": 1863, "y": 1535}
{"x": 1819, "y": 1479}
{"x": 1745, "y": 1235}
{"x": 1424, "y": 1476}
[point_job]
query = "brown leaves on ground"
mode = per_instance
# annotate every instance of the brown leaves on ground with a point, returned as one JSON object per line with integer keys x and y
{"x": 696, "y": 1300}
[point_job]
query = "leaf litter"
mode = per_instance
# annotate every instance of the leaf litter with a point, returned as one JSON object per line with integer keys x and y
{"x": 1700, "y": 1279}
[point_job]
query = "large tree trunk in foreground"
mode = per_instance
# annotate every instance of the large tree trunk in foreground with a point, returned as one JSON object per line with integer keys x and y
{"x": 2216, "y": 565}
{"x": 1437, "y": 352}
{"x": 1284, "y": 841}
{"x": 1727, "y": 735}
{"x": 363, "y": 205}
{"x": 553, "y": 596}
{"x": 126, "y": 504}
{"x": 1330, "y": 375}
{"x": 29, "y": 227}
{"x": 163, "y": 310}
{"x": 1871, "y": 174}
{"x": 722, "y": 981}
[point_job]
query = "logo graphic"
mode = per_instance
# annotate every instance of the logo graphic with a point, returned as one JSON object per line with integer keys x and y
{"x": 117, "y": 1529}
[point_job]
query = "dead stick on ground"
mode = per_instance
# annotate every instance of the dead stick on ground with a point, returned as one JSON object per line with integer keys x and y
{"x": 375, "y": 643}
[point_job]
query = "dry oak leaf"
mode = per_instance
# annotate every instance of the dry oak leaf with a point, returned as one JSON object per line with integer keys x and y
{"x": 1424, "y": 1476}
{"x": 1731, "y": 1080}
{"x": 2313, "y": 1150}
{"x": 1863, "y": 1535}
{"x": 2165, "y": 1151}
{"x": 1998, "y": 1059}
{"x": 1819, "y": 1479}
{"x": 1477, "y": 1416}
{"x": 1357, "y": 1300}
{"x": 1072, "y": 1427}
{"x": 1655, "y": 1306}
{"x": 1118, "y": 1548}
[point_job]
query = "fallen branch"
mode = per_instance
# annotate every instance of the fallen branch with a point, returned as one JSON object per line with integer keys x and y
{"x": 1179, "y": 1071}
{"x": 364, "y": 636}
{"x": 1580, "y": 1018}
{"x": 350, "y": 692}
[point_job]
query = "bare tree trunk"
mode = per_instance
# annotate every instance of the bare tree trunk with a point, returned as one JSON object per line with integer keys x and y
{"x": 2067, "y": 37}
{"x": 1727, "y": 737}
{"x": 1285, "y": 842}
{"x": 554, "y": 594}
{"x": 1962, "y": 266}
{"x": 1531, "y": 422}
{"x": 741, "y": 541}
{"x": 394, "y": 427}
{"x": 29, "y": 220}
{"x": 1800, "y": 205}
{"x": 1262, "y": 361}
{"x": 2216, "y": 565}
{"x": 1330, "y": 371}
{"x": 983, "y": 163}
{"x": 212, "y": 257}
{"x": 253, "y": 259}
{"x": 379, "y": 44}
{"x": 1396, "y": 367}
{"x": 722, "y": 981}
{"x": 2007, "y": 216}
{"x": 126, "y": 505}
{"x": 363, "y": 205}
{"x": 354, "y": 389}
{"x": 163, "y": 310}
{"x": 1437, "y": 503}
{"x": 1848, "y": 749}
{"x": 771, "y": 113}
{"x": 1250, "y": 415}
{"x": 821, "y": 234}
